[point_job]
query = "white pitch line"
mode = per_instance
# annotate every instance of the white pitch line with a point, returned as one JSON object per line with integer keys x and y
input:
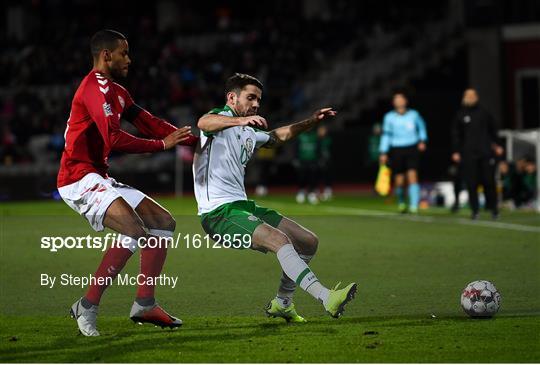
{"x": 414, "y": 218}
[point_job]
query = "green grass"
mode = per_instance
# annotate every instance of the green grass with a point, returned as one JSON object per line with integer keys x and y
{"x": 410, "y": 272}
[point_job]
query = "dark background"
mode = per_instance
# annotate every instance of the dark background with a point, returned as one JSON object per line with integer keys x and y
{"x": 348, "y": 54}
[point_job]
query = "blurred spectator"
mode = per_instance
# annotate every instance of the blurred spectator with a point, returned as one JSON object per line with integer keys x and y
{"x": 508, "y": 179}
{"x": 325, "y": 162}
{"x": 307, "y": 167}
{"x": 518, "y": 183}
{"x": 526, "y": 188}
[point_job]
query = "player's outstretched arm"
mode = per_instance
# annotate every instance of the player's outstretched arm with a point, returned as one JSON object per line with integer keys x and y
{"x": 212, "y": 123}
{"x": 283, "y": 134}
{"x": 147, "y": 123}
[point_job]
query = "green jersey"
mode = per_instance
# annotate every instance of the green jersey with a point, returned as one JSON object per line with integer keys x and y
{"x": 307, "y": 146}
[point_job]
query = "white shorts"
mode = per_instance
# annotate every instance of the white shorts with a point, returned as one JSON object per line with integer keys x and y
{"x": 93, "y": 194}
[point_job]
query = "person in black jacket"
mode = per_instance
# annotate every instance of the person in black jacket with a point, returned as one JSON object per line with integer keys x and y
{"x": 474, "y": 140}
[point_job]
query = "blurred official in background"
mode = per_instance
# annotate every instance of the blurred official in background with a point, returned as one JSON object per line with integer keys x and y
{"x": 403, "y": 137}
{"x": 474, "y": 141}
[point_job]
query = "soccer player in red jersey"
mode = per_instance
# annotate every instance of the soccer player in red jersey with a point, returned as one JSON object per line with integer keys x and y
{"x": 92, "y": 132}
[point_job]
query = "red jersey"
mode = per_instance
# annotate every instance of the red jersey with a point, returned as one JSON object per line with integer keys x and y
{"x": 93, "y": 129}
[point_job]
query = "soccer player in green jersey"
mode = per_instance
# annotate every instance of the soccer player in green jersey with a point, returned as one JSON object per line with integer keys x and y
{"x": 230, "y": 136}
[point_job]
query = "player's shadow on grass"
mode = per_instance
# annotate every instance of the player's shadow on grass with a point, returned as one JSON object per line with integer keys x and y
{"x": 73, "y": 347}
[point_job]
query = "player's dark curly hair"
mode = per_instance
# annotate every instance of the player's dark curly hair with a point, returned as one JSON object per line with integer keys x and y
{"x": 105, "y": 39}
{"x": 238, "y": 81}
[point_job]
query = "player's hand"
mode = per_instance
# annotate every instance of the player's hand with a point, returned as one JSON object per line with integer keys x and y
{"x": 179, "y": 135}
{"x": 323, "y": 113}
{"x": 254, "y": 121}
{"x": 421, "y": 146}
{"x": 456, "y": 157}
{"x": 383, "y": 159}
{"x": 498, "y": 150}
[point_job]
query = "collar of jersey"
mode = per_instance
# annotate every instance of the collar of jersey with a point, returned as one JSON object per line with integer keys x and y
{"x": 229, "y": 109}
{"x": 97, "y": 72}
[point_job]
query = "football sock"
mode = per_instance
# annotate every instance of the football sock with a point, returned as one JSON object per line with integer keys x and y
{"x": 298, "y": 270}
{"x": 152, "y": 260}
{"x": 414, "y": 195}
{"x": 287, "y": 286}
{"x": 400, "y": 195}
{"x": 112, "y": 263}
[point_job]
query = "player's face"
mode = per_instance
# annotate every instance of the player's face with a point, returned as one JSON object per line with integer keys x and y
{"x": 470, "y": 97}
{"x": 247, "y": 103}
{"x": 120, "y": 60}
{"x": 399, "y": 101}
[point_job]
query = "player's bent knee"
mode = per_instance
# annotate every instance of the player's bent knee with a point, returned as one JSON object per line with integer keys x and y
{"x": 167, "y": 222}
{"x": 269, "y": 238}
{"x": 280, "y": 239}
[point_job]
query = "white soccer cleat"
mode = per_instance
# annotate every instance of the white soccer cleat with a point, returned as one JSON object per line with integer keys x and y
{"x": 300, "y": 197}
{"x": 327, "y": 194}
{"x": 312, "y": 198}
{"x": 86, "y": 318}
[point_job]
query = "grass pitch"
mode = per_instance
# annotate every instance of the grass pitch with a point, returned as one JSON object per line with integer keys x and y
{"x": 410, "y": 272}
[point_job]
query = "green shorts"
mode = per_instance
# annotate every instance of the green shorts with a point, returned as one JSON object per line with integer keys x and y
{"x": 237, "y": 221}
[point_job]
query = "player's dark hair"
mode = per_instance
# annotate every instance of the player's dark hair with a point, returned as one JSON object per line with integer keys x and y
{"x": 238, "y": 82}
{"x": 400, "y": 92}
{"x": 105, "y": 39}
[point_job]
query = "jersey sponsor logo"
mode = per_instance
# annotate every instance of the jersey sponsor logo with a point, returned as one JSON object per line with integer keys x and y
{"x": 107, "y": 110}
{"x": 467, "y": 119}
{"x": 104, "y": 90}
{"x": 122, "y": 101}
{"x": 252, "y": 218}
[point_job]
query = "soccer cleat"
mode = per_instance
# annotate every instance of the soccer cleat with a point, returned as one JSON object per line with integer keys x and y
{"x": 153, "y": 314}
{"x": 327, "y": 194}
{"x": 402, "y": 208}
{"x": 338, "y": 298}
{"x": 86, "y": 318}
{"x": 312, "y": 198}
{"x": 274, "y": 309}
{"x": 413, "y": 210}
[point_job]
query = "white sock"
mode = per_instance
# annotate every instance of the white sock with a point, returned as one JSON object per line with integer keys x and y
{"x": 298, "y": 270}
{"x": 287, "y": 286}
{"x": 127, "y": 242}
{"x": 165, "y": 236}
{"x": 161, "y": 233}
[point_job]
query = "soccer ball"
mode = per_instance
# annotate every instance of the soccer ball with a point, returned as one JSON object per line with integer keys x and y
{"x": 480, "y": 299}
